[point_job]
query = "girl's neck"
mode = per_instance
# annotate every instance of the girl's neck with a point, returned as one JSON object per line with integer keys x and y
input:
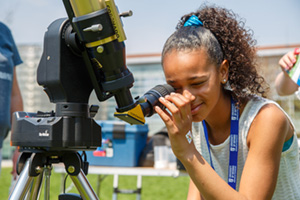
{"x": 218, "y": 121}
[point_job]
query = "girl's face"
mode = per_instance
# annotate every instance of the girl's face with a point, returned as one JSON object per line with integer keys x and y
{"x": 192, "y": 71}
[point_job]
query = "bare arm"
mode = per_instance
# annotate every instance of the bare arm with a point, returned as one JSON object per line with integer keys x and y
{"x": 16, "y": 105}
{"x": 283, "y": 83}
{"x": 193, "y": 193}
{"x": 266, "y": 137}
{"x": 16, "y": 97}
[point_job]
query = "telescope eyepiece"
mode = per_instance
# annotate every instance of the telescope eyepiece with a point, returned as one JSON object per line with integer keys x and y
{"x": 151, "y": 98}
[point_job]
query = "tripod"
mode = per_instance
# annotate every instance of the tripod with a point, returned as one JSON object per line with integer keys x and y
{"x": 34, "y": 166}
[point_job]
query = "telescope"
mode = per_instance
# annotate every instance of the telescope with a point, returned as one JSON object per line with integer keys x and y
{"x": 81, "y": 53}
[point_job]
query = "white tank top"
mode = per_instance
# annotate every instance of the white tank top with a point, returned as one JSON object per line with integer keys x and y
{"x": 288, "y": 181}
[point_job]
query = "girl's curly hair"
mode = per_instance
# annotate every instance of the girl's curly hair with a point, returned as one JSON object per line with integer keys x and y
{"x": 227, "y": 39}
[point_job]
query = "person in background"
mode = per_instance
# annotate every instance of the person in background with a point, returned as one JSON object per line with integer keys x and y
{"x": 233, "y": 141}
{"x": 10, "y": 95}
{"x": 283, "y": 83}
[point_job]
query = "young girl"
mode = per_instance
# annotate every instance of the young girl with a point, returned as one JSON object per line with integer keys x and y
{"x": 241, "y": 145}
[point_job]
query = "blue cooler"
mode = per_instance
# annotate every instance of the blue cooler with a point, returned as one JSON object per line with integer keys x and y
{"x": 122, "y": 144}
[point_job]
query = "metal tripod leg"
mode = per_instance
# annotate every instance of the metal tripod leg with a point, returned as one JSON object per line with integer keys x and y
{"x": 34, "y": 191}
{"x": 39, "y": 165}
{"x": 47, "y": 172}
{"x": 22, "y": 185}
{"x": 83, "y": 186}
{"x": 27, "y": 187}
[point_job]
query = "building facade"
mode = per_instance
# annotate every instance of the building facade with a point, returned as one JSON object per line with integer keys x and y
{"x": 147, "y": 73}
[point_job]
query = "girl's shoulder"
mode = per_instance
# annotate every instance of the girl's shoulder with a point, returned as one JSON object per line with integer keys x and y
{"x": 267, "y": 118}
{"x": 261, "y": 112}
{"x": 259, "y": 104}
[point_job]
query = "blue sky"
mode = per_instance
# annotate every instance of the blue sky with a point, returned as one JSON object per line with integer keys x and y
{"x": 274, "y": 22}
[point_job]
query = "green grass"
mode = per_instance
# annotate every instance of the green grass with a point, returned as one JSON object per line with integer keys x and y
{"x": 158, "y": 188}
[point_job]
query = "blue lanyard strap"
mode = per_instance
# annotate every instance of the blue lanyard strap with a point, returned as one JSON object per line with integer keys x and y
{"x": 233, "y": 146}
{"x": 207, "y": 143}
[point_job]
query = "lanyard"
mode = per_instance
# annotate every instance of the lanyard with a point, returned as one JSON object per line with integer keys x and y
{"x": 234, "y": 145}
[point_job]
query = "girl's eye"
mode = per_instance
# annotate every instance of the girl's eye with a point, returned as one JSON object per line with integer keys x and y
{"x": 197, "y": 83}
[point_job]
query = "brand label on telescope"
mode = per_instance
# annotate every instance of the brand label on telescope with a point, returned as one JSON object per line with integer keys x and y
{"x": 113, "y": 20}
{"x": 44, "y": 134}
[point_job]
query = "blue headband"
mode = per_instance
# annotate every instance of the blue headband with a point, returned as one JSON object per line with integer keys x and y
{"x": 193, "y": 21}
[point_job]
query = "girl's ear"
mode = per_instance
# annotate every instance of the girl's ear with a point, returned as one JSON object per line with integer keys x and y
{"x": 224, "y": 71}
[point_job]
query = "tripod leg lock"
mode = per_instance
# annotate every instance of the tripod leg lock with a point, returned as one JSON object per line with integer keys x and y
{"x": 72, "y": 163}
{"x": 37, "y": 163}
